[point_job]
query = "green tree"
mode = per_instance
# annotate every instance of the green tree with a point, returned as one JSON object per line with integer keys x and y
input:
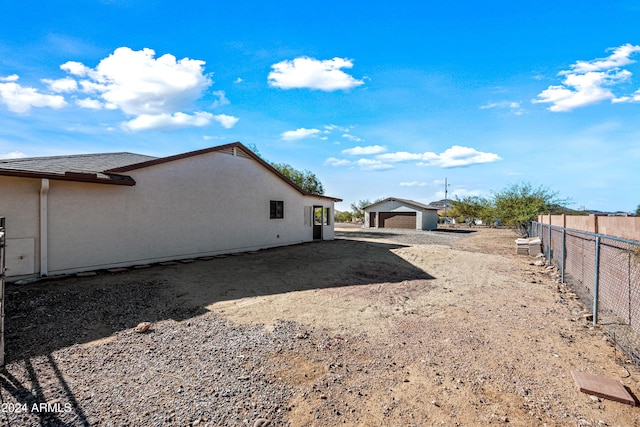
{"x": 638, "y": 211}
{"x": 305, "y": 179}
{"x": 520, "y": 204}
{"x": 357, "y": 208}
{"x": 472, "y": 208}
{"x": 343, "y": 216}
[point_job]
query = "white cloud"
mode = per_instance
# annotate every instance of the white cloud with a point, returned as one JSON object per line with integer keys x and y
{"x": 12, "y": 155}
{"x": 158, "y": 92}
{"x": 168, "y": 121}
{"x": 329, "y": 128}
{"x": 588, "y": 82}
{"x": 66, "y": 84}
{"x": 400, "y": 156}
{"x": 310, "y": 73}
{"x": 619, "y": 58}
{"x": 138, "y": 84}
{"x": 580, "y": 90}
{"x": 222, "y": 99}
{"x": 635, "y": 97}
{"x": 11, "y": 78}
{"x": 301, "y": 133}
{"x": 414, "y": 184}
{"x": 458, "y": 156}
{"x": 75, "y": 68}
{"x": 352, "y": 137}
{"x": 513, "y": 106}
{"x": 227, "y": 122}
{"x": 364, "y": 151}
{"x": 89, "y": 103}
{"x": 374, "y": 165}
{"x": 20, "y": 99}
{"x": 455, "y": 156}
{"x": 332, "y": 161}
{"x": 364, "y": 164}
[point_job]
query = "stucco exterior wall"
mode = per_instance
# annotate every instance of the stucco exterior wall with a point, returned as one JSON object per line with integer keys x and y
{"x": 20, "y": 205}
{"x": 201, "y": 205}
{"x": 429, "y": 219}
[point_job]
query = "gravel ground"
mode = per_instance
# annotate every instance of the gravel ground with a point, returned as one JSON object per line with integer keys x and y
{"x": 201, "y": 371}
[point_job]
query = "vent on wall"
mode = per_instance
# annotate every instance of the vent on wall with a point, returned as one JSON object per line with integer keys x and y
{"x": 240, "y": 152}
{"x": 235, "y": 151}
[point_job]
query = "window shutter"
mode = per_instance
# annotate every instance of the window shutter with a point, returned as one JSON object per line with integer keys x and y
{"x": 308, "y": 214}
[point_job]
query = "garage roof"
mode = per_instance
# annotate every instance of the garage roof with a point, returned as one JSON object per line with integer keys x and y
{"x": 411, "y": 203}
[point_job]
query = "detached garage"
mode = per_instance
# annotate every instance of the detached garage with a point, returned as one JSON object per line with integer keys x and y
{"x": 401, "y": 213}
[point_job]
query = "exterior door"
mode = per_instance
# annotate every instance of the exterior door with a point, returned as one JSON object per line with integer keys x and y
{"x": 317, "y": 222}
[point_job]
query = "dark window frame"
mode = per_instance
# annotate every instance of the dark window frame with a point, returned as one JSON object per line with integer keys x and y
{"x": 276, "y": 209}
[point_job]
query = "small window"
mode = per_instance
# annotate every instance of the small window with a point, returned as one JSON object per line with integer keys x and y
{"x": 276, "y": 209}
{"x": 327, "y": 217}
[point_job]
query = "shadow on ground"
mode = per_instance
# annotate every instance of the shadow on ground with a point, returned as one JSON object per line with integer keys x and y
{"x": 454, "y": 230}
{"x": 366, "y": 234}
{"x": 48, "y": 315}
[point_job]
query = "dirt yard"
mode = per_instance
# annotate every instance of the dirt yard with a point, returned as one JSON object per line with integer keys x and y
{"x": 376, "y": 328}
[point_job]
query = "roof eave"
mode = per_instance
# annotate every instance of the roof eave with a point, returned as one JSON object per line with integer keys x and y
{"x": 75, "y": 177}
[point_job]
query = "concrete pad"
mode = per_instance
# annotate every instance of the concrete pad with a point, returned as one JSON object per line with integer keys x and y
{"x": 603, "y": 387}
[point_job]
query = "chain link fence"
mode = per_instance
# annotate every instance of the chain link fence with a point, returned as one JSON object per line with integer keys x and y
{"x": 604, "y": 272}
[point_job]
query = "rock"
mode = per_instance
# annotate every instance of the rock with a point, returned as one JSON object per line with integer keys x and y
{"x": 539, "y": 263}
{"x": 262, "y": 422}
{"x": 142, "y": 327}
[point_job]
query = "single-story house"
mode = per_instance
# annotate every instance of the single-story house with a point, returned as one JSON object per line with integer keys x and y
{"x": 76, "y": 213}
{"x": 400, "y": 213}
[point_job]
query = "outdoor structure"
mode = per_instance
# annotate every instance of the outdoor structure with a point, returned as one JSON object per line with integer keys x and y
{"x": 76, "y": 213}
{"x": 400, "y": 213}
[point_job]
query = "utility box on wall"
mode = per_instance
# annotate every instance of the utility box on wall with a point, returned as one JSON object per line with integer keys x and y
{"x": 20, "y": 257}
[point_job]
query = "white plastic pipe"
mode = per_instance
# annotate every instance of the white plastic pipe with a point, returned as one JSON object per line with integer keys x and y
{"x": 44, "y": 221}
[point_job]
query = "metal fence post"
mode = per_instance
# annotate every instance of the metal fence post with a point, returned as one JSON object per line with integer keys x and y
{"x": 564, "y": 245}
{"x": 549, "y": 247}
{"x": 596, "y": 281}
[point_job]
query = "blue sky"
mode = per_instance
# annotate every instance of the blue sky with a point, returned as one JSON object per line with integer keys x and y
{"x": 377, "y": 99}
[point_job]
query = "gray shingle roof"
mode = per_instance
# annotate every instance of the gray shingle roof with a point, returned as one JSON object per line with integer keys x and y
{"x": 405, "y": 202}
{"x": 112, "y": 168}
{"x": 80, "y": 164}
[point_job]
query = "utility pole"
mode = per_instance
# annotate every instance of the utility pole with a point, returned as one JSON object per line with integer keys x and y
{"x": 446, "y": 189}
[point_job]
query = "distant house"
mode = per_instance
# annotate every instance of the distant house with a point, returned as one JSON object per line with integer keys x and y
{"x": 86, "y": 212}
{"x": 401, "y": 213}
